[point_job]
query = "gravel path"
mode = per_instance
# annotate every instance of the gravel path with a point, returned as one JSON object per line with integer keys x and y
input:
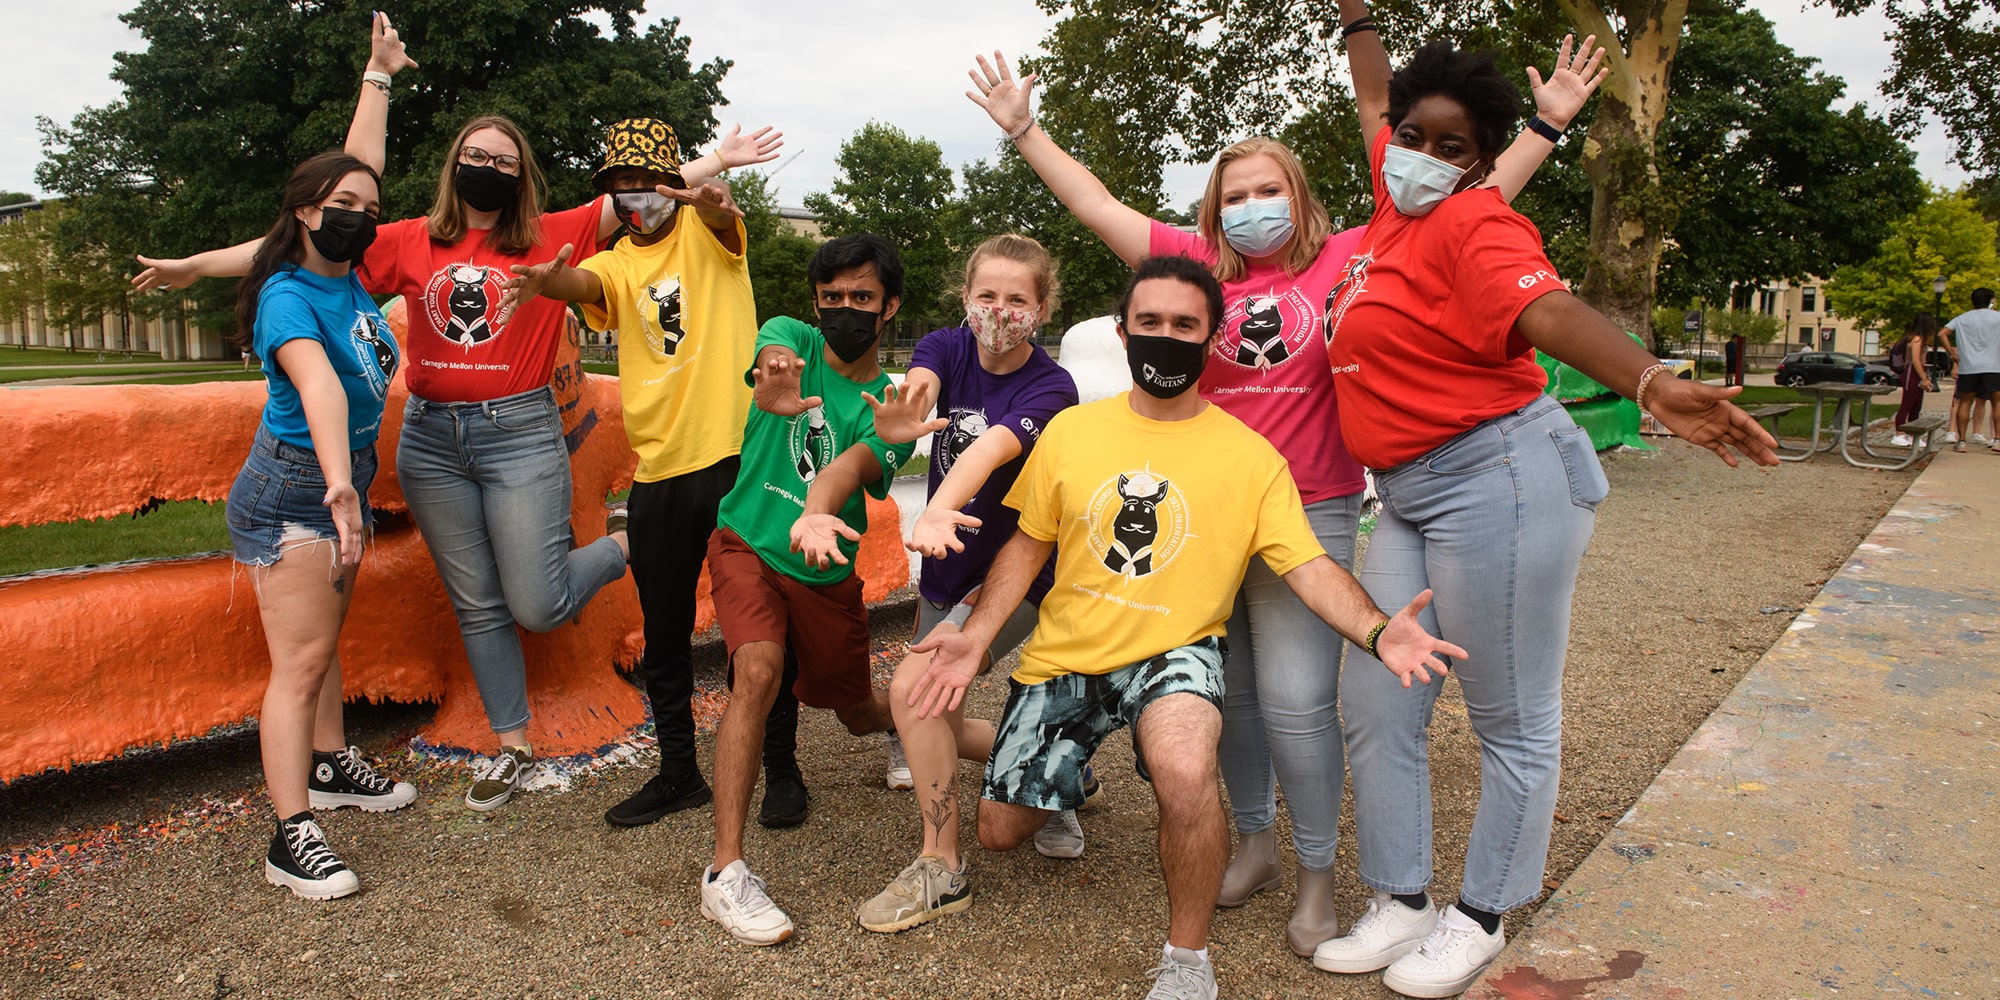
{"x": 1695, "y": 571}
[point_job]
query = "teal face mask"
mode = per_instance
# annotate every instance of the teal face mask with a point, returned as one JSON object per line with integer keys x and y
{"x": 1416, "y": 182}
{"x": 1257, "y": 226}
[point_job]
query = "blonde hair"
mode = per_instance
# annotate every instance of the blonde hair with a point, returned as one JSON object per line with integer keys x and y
{"x": 1021, "y": 250}
{"x": 1311, "y": 226}
{"x": 519, "y": 227}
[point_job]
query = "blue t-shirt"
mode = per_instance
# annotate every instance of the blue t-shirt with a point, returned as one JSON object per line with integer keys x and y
{"x": 296, "y": 304}
{"x": 974, "y": 399}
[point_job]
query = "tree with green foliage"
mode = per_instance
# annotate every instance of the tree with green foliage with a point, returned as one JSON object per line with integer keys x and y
{"x": 1943, "y": 57}
{"x": 1946, "y": 236}
{"x": 778, "y": 253}
{"x": 1007, "y": 197}
{"x": 229, "y": 95}
{"x": 27, "y": 256}
{"x": 898, "y": 187}
{"x": 14, "y": 198}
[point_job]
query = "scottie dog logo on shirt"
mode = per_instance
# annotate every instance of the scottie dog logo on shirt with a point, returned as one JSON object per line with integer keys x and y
{"x": 460, "y": 302}
{"x": 1139, "y": 523}
{"x": 660, "y": 305}
{"x": 375, "y": 349}
{"x": 1265, "y": 331}
{"x": 965, "y": 427}
{"x": 1353, "y": 281}
{"x": 812, "y": 443}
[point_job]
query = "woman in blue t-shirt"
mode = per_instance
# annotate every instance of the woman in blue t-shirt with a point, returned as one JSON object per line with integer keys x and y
{"x": 298, "y": 513}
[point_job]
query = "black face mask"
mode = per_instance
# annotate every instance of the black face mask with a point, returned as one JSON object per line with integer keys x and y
{"x": 343, "y": 234}
{"x": 486, "y": 189}
{"x": 850, "y": 332}
{"x": 1163, "y": 366}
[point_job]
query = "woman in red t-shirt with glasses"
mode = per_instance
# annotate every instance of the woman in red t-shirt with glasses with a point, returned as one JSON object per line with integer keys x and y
{"x": 482, "y": 459}
{"x": 1489, "y": 494}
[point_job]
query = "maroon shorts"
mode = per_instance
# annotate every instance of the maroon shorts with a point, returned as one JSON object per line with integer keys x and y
{"x": 825, "y": 627}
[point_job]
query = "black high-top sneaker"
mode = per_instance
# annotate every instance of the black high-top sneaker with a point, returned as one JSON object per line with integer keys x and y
{"x": 300, "y": 861}
{"x": 345, "y": 778}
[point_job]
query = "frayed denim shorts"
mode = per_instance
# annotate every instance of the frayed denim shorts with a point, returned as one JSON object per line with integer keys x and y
{"x": 275, "y": 503}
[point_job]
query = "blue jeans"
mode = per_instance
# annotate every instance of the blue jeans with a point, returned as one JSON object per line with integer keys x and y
{"x": 489, "y": 486}
{"x": 1494, "y": 521}
{"x": 274, "y": 504}
{"x": 1282, "y": 682}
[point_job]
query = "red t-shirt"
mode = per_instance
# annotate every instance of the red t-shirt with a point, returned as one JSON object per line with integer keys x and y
{"x": 451, "y": 292}
{"x": 1421, "y": 327}
{"x": 1269, "y": 367}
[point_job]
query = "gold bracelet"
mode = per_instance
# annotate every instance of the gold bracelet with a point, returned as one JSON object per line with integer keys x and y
{"x": 1375, "y": 638}
{"x": 1645, "y": 378}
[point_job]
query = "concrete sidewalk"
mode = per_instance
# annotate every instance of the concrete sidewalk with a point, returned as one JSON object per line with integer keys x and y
{"x": 1831, "y": 829}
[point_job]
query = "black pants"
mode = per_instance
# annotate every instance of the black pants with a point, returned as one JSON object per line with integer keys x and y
{"x": 669, "y": 528}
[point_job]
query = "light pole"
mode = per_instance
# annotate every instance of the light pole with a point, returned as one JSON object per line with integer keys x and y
{"x": 1937, "y": 296}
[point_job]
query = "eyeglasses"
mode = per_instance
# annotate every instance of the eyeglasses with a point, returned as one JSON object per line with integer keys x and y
{"x": 477, "y": 157}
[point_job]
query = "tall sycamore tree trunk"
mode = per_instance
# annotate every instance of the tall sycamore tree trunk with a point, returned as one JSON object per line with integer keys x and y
{"x": 1630, "y": 212}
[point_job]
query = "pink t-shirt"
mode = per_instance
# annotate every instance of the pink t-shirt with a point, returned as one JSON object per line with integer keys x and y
{"x": 1269, "y": 368}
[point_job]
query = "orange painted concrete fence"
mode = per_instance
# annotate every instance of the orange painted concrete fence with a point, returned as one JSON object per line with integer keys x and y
{"x": 93, "y": 663}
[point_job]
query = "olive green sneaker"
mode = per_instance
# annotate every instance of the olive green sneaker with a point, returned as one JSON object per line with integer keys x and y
{"x": 499, "y": 778}
{"x": 923, "y": 892}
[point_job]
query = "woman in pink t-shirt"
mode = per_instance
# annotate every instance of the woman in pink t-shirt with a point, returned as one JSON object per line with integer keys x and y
{"x": 1272, "y": 246}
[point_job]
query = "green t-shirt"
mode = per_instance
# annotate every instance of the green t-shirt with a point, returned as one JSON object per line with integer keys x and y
{"x": 782, "y": 455}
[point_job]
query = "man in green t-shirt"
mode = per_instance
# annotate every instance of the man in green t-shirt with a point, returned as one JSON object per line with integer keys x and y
{"x": 781, "y": 558}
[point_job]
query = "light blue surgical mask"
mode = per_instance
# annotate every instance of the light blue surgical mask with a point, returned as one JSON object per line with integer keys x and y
{"x": 1257, "y": 226}
{"x": 1416, "y": 182}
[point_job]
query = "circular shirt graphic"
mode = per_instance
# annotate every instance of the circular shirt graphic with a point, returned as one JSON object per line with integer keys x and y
{"x": 812, "y": 443}
{"x": 1265, "y": 331}
{"x": 460, "y": 301}
{"x": 1138, "y": 523}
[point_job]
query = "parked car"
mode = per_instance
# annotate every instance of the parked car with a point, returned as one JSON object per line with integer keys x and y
{"x": 1938, "y": 363}
{"x": 1800, "y": 367}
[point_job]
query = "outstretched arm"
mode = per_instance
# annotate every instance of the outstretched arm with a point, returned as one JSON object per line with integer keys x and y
{"x": 959, "y": 652}
{"x": 1125, "y": 230}
{"x": 936, "y": 531}
{"x": 1557, "y": 100}
{"x": 180, "y": 272}
{"x": 1367, "y": 67}
{"x": 816, "y": 534}
{"x": 1403, "y": 646}
{"x": 368, "y": 134}
{"x": 554, "y": 279}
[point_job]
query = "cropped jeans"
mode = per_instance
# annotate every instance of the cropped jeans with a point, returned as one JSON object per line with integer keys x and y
{"x": 489, "y": 486}
{"x": 1280, "y": 716}
{"x": 1495, "y": 522}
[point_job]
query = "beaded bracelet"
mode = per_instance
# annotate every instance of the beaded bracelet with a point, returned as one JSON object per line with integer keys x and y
{"x": 1023, "y": 130}
{"x": 1646, "y": 378}
{"x": 1375, "y": 638}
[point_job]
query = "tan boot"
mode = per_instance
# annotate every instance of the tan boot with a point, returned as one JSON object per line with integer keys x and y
{"x": 1314, "y": 918}
{"x": 1254, "y": 869}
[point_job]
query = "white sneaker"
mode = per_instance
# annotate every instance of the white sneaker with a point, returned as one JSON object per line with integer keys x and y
{"x": 1454, "y": 955}
{"x": 1901, "y": 440}
{"x": 1061, "y": 836}
{"x": 736, "y": 899}
{"x": 898, "y": 775}
{"x": 1977, "y": 438}
{"x": 1950, "y": 437}
{"x": 1383, "y": 933}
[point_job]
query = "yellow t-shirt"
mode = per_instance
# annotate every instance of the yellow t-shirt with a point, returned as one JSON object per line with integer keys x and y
{"x": 686, "y": 325}
{"x": 1154, "y": 523}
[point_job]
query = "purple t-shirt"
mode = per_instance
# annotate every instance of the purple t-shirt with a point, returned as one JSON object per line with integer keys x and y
{"x": 974, "y": 399}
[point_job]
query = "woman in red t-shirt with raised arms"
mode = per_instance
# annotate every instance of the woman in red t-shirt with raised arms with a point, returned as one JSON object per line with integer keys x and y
{"x": 482, "y": 460}
{"x": 1489, "y": 493}
{"x": 1273, "y": 248}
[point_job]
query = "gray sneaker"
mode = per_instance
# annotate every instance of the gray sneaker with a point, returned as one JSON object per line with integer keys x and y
{"x": 925, "y": 891}
{"x": 1061, "y": 836}
{"x": 498, "y": 779}
{"x": 1182, "y": 975}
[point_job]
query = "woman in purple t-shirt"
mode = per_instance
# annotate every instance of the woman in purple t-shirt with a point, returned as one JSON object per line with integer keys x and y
{"x": 1272, "y": 246}
{"x": 995, "y": 390}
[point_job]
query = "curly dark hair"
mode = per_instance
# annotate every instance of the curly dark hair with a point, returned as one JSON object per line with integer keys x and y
{"x": 1470, "y": 78}
{"x": 1174, "y": 267}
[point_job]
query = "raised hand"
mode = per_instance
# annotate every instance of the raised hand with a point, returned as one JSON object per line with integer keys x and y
{"x": 345, "y": 505}
{"x": 164, "y": 274}
{"x": 817, "y": 537}
{"x": 1409, "y": 651}
{"x": 527, "y": 283}
{"x": 899, "y": 414}
{"x": 709, "y": 199}
{"x": 385, "y": 47}
{"x": 954, "y": 663}
{"x": 1703, "y": 414}
{"x": 739, "y": 150}
{"x": 936, "y": 532}
{"x": 1572, "y": 81}
{"x": 774, "y": 386}
{"x": 1005, "y": 100}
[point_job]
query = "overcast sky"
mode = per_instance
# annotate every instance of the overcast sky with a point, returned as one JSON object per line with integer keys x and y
{"x": 819, "y": 72}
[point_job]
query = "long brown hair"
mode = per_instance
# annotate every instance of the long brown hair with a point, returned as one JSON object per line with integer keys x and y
{"x": 312, "y": 181}
{"x": 519, "y": 227}
{"x": 1310, "y": 223}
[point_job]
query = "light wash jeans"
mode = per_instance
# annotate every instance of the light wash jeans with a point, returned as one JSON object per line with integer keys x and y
{"x": 1280, "y": 717}
{"x": 1495, "y": 522}
{"x": 488, "y": 484}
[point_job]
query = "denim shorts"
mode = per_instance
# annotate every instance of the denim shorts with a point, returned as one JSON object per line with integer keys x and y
{"x": 1048, "y": 731}
{"x": 275, "y": 502}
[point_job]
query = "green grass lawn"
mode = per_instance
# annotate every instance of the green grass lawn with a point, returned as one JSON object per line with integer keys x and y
{"x": 11, "y": 356}
{"x": 136, "y": 372}
{"x": 1798, "y": 423}
{"x": 176, "y": 529}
